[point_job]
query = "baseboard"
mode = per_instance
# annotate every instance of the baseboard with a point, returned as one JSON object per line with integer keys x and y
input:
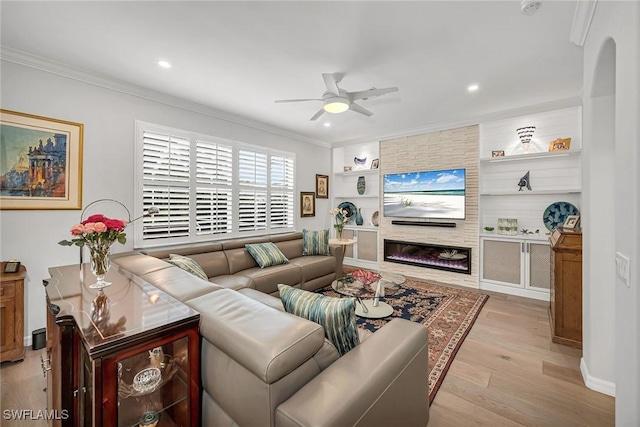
{"x": 601, "y": 386}
{"x": 542, "y": 296}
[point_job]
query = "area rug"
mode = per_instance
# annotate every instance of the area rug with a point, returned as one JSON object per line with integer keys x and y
{"x": 447, "y": 312}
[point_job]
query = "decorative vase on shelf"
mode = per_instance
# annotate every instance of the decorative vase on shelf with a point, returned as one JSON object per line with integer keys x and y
{"x": 362, "y": 185}
{"x": 359, "y": 219}
{"x": 339, "y": 233}
{"x": 100, "y": 256}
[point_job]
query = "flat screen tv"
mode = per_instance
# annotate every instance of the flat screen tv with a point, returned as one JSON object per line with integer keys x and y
{"x": 438, "y": 194}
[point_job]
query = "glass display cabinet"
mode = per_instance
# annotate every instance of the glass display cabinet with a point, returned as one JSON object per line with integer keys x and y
{"x": 126, "y": 355}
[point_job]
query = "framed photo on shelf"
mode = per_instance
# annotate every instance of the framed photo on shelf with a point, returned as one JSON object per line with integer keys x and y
{"x": 499, "y": 153}
{"x": 571, "y": 222}
{"x": 42, "y": 162}
{"x": 307, "y": 204}
{"x": 560, "y": 144}
{"x": 348, "y": 168}
{"x": 375, "y": 163}
{"x": 322, "y": 186}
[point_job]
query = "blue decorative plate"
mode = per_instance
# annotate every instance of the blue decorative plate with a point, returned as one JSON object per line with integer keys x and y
{"x": 557, "y": 213}
{"x": 351, "y": 210}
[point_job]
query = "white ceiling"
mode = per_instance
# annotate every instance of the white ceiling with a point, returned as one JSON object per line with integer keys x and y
{"x": 238, "y": 57}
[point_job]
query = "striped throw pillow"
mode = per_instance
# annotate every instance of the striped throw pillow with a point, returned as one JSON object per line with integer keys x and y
{"x": 336, "y": 315}
{"x": 266, "y": 254}
{"x": 315, "y": 242}
{"x": 187, "y": 264}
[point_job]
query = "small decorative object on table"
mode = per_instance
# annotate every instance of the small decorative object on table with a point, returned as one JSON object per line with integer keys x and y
{"x": 340, "y": 217}
{"x": 98, "y": 233}
{"x": 507, "y": 226}
{"x": 525, "y": 181}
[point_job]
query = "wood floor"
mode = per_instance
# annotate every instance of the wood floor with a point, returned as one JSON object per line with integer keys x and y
{"x": 507, "y": 373}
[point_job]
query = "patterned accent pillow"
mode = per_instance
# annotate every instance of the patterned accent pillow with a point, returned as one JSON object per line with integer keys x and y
{"x": 187, "y": 264}
{"x": 315, "y": 242}
{"x": 266, "y": 254}
{"x": 336, "y": 315}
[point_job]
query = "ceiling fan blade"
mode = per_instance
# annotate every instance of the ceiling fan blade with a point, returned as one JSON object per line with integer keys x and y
{"x": 331, "y": 83}
{"x": 316, "y": 115}
{"x": 357, "y": 108}
{"x": 364, "y": 94}
{"x": 296, "y": 100}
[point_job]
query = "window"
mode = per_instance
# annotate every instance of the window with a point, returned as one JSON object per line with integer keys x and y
{"x": 208, "y": 188}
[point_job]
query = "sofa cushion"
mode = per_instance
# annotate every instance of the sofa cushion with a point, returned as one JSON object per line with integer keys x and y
{"x": 233, "y": 281}
{"x": 315, "y": 242}
{"x": 336, "y": 315}
{"x": 266, "y": 254}
{"x": 315, "y": 266}
{"x": 267, "y": 279}
{"x": 188, "y": 265}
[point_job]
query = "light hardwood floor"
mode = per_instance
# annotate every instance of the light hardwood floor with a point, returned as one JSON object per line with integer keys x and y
{"x": 507, "y": 373}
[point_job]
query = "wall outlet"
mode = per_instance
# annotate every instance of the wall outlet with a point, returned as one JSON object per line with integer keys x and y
{"x": 622, "y": 269}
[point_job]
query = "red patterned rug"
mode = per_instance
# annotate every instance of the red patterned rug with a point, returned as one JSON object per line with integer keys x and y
{"x": 448, "y": 313}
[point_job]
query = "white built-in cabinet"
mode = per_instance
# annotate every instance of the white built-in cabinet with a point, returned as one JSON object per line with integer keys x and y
{"x": 343, "y": 187}
{"x": 519, "y": 264}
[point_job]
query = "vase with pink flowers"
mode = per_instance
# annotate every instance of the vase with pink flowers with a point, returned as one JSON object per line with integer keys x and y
{"x": 98, "y": 233}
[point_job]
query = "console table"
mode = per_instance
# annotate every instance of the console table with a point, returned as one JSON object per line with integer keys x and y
{"x": 119, "y": 355}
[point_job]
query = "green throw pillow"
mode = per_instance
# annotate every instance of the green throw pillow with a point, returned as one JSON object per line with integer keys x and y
{"x": 315, "y": 242}
{"x": 187, "y": 264}
{"x": 266, "y": 254}
{"x": 336, "y": 315}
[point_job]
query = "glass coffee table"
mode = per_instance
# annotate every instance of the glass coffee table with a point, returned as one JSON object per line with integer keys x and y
{"x": 368, "y": 295}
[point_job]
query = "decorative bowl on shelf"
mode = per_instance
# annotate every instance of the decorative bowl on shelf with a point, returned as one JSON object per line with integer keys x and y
{"x": 147, "y": 380}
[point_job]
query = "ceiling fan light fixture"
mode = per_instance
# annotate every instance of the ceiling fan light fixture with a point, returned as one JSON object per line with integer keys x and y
{"x": 336, "y": 105}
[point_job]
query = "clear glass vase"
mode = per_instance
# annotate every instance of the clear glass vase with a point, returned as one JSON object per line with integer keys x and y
{"x": 100, "y": 257}
{"x": 339, "y": 233}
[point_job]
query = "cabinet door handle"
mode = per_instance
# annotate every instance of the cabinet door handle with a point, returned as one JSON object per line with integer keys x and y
{"x": 522, "y": 247}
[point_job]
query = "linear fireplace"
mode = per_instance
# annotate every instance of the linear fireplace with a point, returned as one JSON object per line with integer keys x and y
{"x": 449, "y": 258}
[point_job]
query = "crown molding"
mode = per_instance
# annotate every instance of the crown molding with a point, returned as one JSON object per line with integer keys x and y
{"x": 63, "y": 70}
{"x": 498, "y": 115}
{"x": 582, "y": 21}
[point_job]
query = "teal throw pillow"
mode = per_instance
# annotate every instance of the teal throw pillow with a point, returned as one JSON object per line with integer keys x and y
{"x": 266, "y": 254}
{"x": 315, "y": 242}
{"x": 187, "y": 264}
{"x": 336, "y": 315}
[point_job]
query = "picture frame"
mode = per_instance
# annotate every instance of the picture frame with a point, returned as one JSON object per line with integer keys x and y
{"x": 307, "y": 204}
{"x": 560, "y": 144}
{"x": 499, "y": 153}
{"x": 43, "y": 167}
{"x": 571, "y": 222}
{"x": 322, "y": 186}
{"x": 11, "y": 266}
{"x": 375, "y": 163}
{"x": 348, "y": 169}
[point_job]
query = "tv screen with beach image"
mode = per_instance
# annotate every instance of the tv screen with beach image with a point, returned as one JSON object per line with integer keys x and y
{"x": 428, "y": 194}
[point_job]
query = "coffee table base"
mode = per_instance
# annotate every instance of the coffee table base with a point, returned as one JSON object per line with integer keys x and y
{"x": 382, "y": 310}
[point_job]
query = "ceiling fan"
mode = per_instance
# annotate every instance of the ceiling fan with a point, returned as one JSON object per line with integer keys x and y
{"x": 336, "y": 100}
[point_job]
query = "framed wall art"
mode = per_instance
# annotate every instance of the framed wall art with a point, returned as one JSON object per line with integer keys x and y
{"x": 40, "y": 162}
{"x": 322, "y": 186}
{"x": 560, "y": 144}
{"x": 307, "y": 204}
{"x": 375, "y": 163}
{"x": 499, "y": 153}
{"x": 571, "y": 222}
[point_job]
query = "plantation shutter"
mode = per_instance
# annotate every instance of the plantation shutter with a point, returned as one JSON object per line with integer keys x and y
{"x": 214, "y": 188}
{"x": 166, "y": 172}
{"x": 252, "y": 196}
{"x": 282, "y": 192}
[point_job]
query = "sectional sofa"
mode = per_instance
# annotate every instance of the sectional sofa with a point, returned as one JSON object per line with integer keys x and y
{"x": 261, "y": 366}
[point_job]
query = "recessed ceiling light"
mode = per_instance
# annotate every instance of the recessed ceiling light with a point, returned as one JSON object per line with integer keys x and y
{"x": 529, "y": 7}
{"x": 473, "y": 88}
{"x": 327, "y": 124}
{"x": 164, "y": 64}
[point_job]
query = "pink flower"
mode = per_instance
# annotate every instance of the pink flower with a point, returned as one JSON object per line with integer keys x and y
{"x": 114, "y": 224}
{"x": 89, "y": 227}
{"x": 77, "y": 229}
{"x": 100, "y": 227}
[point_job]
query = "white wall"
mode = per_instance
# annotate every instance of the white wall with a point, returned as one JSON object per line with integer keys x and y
{"x": 619, "y": 22}
{"x": 108, "y": 167}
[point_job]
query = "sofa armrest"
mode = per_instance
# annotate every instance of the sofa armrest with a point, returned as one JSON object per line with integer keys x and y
{"x": 383, "y": 381}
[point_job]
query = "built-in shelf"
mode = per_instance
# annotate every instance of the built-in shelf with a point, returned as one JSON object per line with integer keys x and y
{"x": 355, "y": 196}
{"x": 541, "y": 236}
{"x": 531, "y": 156}
{"x": 359, "y": 172}
{"x": 530, "y": 193}
{"x": 361, "y": 227}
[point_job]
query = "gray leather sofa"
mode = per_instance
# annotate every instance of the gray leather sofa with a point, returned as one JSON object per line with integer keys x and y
{"x": 261, "y": 366}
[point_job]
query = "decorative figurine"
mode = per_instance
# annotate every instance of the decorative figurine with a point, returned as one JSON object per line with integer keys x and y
{"x": 524, "y": 182}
